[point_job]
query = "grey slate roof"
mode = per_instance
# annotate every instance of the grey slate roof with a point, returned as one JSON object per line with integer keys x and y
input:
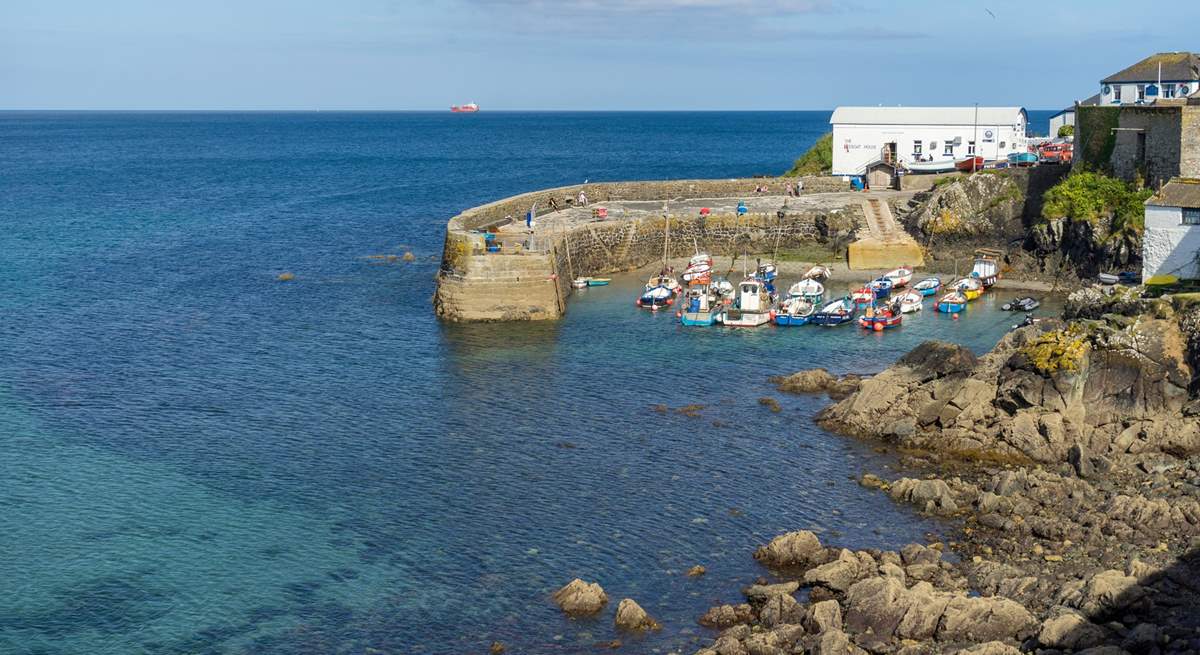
{"x": 1179, "y": 192}
{"x": 1176, "y": 66}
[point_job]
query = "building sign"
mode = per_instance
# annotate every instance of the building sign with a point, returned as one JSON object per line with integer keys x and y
{"x": 988, "y": 136}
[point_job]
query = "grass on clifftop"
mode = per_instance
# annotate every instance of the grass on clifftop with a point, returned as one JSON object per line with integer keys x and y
{"x": 817, "y": 161}
{"x": 1089, "y": 196}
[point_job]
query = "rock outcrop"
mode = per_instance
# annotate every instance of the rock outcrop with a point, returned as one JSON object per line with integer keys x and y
{"x": 631, "y": 617}
{"x": 579, "y": 598}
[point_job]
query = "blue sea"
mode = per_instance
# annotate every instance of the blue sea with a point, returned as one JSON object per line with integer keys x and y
{"x": 198, "y": 458}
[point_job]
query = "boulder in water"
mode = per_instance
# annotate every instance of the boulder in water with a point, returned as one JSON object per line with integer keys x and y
{"x": 579, "y": 598}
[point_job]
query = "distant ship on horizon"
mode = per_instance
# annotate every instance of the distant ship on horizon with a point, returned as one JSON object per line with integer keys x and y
{"x": 468, "y": 108}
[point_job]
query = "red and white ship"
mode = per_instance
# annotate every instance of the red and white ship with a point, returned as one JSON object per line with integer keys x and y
{"x": 468, "y": 108}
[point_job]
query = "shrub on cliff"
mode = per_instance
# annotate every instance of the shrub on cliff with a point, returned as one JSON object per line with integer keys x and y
{"x": 1090, "y": 196}
{"x": 818, "y": 159}
{"x": 1066, "y": 131}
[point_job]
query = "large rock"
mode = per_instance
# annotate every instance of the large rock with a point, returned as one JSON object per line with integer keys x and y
{"x": 814, "y": 380}
{"x": 1070, "y": 631}
{"x": 799, "y": 548}
{"x": 842, "y": 572}
{"x": 1107, "y": 593}
{"x": 631, "y": 616}
{"x": 823, "y": 616}
{"x": 876, "y": 604}
{"x": 984, "y": 619}
{"x": 924, "y": 613}
{"x": 990, "y": 648}
{"x": 780, "y": 609}
{"x": 759, "y": 592}
{"x": 933, "y": 496}
{"x": 725, "y": 616}
{"x": 579, "y": 598}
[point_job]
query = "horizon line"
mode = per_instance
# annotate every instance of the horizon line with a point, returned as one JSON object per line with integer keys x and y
{"x": 428, "y": 111}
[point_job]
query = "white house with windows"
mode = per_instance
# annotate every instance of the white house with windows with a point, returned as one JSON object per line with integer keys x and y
{"x": 1163, "y": 75}
{"x": 863, "y": 136}
{"x": 1171, "y": 242}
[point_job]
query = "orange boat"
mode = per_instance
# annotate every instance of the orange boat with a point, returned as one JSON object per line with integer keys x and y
{"x": 969, "y": 164}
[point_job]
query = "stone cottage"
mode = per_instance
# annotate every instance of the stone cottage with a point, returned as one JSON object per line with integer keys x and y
{"x": 1171, "y": 243}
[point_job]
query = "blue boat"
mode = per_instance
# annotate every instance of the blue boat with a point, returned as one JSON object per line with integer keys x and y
{"x": 838, "y": 312}
{"x": 700, "y": 309}
{"x": 1022, "y": 158}
{"x": 952, "y": 303}
{"x": 929, "y": 286}
{"x": 882, "y": 287}
{"x": 656, "y": 298}
{"x": 794, "y": 311}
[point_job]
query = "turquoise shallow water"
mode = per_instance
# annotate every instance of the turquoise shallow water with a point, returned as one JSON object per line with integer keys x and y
{"x": 200, "y": 459}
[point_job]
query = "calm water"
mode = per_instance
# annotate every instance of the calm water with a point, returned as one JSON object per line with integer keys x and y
{"x": 199, "y": 459}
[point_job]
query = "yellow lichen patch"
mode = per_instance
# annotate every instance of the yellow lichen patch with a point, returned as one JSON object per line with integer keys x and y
{"x": 947, "y": 221}
{"x": 1057, "y": 350}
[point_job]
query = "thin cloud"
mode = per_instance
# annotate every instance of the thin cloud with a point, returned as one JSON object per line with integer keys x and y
{"x": 776, "y": 7}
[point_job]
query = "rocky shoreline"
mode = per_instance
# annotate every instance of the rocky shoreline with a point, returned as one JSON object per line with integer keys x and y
{"x": 1067, "y": 460}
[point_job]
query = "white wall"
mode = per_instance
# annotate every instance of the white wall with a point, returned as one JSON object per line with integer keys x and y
{"x": 1129, "y": 91}
{"x": 856, "y": 145}
{"x": 1067, "y": 118}
{"x": 1169, "y": 248}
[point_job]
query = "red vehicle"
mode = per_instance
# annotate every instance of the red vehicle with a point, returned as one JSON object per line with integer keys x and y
{"x": 1056, "y": 153}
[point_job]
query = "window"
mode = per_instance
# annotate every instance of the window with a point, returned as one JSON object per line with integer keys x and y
{"x": 917, "y": 147}
{"x": 949, "y": 151}
{"x": 970, "y": 147}
{"x": 1141, "y": 93}
{"x": 1168, "y": 91}
{"x": 1117, "y": 93}
{"x": 1191, "y": 216}
{"x": 1002, "y": 145}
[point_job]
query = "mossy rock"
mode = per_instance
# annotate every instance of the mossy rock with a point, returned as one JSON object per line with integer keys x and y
{"x": 1058, "y": 350}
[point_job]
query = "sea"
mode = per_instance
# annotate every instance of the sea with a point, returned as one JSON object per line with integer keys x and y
{"x": 197, "y": 457}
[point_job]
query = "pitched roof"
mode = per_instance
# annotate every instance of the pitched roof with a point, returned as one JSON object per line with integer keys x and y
{"x": 1179, "y": 192}
{"x": 926, "y": 115}
{"x": 1175, "y": 66}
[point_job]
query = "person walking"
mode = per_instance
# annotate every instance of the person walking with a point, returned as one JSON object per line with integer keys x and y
{"x": 583, "y": 201}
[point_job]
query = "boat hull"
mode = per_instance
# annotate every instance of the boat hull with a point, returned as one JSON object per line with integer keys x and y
{"x": 735, "y": 318}
{"x": 698, "y": 319}
{"x": 791, "y": 321}
{"x": 951, "y": 307}
{"x": 888, "y": 322}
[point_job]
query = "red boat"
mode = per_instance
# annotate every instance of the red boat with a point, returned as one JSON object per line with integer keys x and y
{"x": 969, "y": 164}
{"x": 469, "y": 108}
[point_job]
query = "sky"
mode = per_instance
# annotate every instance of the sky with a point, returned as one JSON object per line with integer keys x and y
{"x": 573, "y": 54}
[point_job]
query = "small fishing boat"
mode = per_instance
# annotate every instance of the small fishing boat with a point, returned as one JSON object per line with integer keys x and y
{"x": 952, "y": 303}
{"x": 835, "y": 313}
{"x": 863, "y": 297}
{"x": 656, "y": 298}
{"x": 928, "y": 287}
{"x": 752, "y": 307}
{"x": 721, "y": 287}
{"x": 767, "y": 272}
{"x": 882, "y": 287}
{"x": 899, "y": 277}
{"x": 697, "y": 274}
{"x": 1108, "y": 278}
{"x": 598, "y": 281}
{"x": 809, "y": 289}
{"x": 970, "y": 287}
{"x": 796, "y": 310}
{"x": 987, "y": 266}
{"x": 580, "y": 282}
{"x": 1025, "y": 304}
{"x": 1022, "y": 158}
{"x": 923, "y": 167}
{"x": 700, "y": 258}
{"x": 911, "y": 302}
{"x": 663, "y": 280}
{"x": 818, "y": 273}
{"x": 701, "y": 309}
{"x": 970, "y": 164}
{"x": 880, "y": 318}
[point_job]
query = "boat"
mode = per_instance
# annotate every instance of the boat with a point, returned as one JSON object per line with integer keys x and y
{"x": 835, "y": 313}
{"x": 1022, "y": 158}
{"x": 923, "y": 167}
{"x": 469, "y": 108}
{"x": 1025, "y": 304}
{"x": 752, "y": 307}
{"x": 656, "y": 298}
{"x": 809, "y": 289}
{"x": 899, "y": 277}
{"x": 969, "y": 165}
{"x": 697, "y": 274}
{"x": 882, "y": 287}
{"x": 598, "y": 281}
{"x": 580, "y": 282}
{"x": 796, "y": 310}
{"x": 767, "y": 272}
{"x": 1108, "y": 278}
{"x": 928, "y": 287}
{"x": 880, "y": 318}
{"x": 952, "y": 303}
{"x": 1129, "y": 277}
{"x": 987, "y": 266}
{"x": 701, "y": 310}
{"x": 911, "y": 302}
{"x": 863, "y": 297}
{"x": 818, "y": 273}
{"x": 970, "y": 287}
{"x": 663, "y": 280}
{"x": 721, "y": 287}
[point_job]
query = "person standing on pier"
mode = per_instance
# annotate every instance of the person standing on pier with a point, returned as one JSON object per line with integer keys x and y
{"x": 582, "y": 198}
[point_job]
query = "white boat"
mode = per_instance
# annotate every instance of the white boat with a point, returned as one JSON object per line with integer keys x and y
{"x": 700, "y": 258}
{"x": 1108, "y": 278}
{"x": 697, "y": 273}
{"x": 818, "y": 273}
{"x": 795, "y": 311}
{"x": 944, "y": 166}
{"x": 899, "y": 277}
{"x": 911, "y": 302}
{"x": 987, "y": 266}
{"x": 752, "y": 307}
{"x": 807, "y": 288}
{"x": 663, "y": 280}
{"x": 721, "y": 287}
{"x": 580, "y": 282}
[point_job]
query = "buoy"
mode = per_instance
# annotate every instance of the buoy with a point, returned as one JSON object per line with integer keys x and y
{"x": 879, "y": 327}
{"x": 678, "y": 314}
{"x": 954, "y": 316}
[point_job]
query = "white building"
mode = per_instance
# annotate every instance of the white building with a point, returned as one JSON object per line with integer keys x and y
{"x": 1164, "y": 75}
{"x": 865, "y": 135}
{"x": 1067, "y": 116}
{"x": 1171, "y": 242}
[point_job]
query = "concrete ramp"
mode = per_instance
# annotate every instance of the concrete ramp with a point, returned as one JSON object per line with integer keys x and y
{"x": 886, "y": 244}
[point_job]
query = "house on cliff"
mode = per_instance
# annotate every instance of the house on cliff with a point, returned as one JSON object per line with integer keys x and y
{"x": 1164, "y": 75}
{"x": 1171, "y": 242}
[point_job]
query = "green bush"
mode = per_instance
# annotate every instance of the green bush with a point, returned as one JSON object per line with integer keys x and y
{"x": 818, "y": 159}
{"x": 1066, "y": 130}
{"x": 1090, "y": 196}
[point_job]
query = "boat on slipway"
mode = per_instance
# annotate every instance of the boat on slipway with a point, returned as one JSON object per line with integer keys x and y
{"x": 987, "y": 266}
{"x": 838, "y": 312}
{"x": 928, "y": 287}
{"x": 819, "y": 273}
{"x": 927, "y": 167}
{"x": 899, "y": 277}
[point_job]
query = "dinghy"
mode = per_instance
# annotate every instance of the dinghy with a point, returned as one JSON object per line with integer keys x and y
{"x": 882, "y": 287}
{"x": 663, "y": 280}
{"x": 835, "y": 313}
{"x": 911, "y": 302}
{"x": 818, "y": 273}
{"x": 809, "y": 289}
{"x": 880, "y": 318}
{"x": 656, "y": 298}
{"x": 899, "y": 277}
{"x": 952, "y": 303}
{"x": 944, "y": 166}
{"x": 1108, "y": 278}
{"x": 796, "y": 310}
{"x": 752, "y": 307}
{"x": 928, "y": 287}
{"x": 1025, "y": 304}
{"x": 598, "y": 281}
{"x": 580, "y": 282}
{"x": 970, "y": 287}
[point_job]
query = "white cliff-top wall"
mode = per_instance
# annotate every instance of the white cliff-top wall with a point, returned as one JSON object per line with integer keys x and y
{"x": 1169, "y": 248}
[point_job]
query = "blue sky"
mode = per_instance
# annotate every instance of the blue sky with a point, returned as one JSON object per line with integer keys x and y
{"x": 572, "y": 54}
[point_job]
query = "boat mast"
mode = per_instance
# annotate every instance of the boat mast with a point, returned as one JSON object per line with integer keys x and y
{"x": 975, "y": 138}
{"x": 666, "y": 231}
